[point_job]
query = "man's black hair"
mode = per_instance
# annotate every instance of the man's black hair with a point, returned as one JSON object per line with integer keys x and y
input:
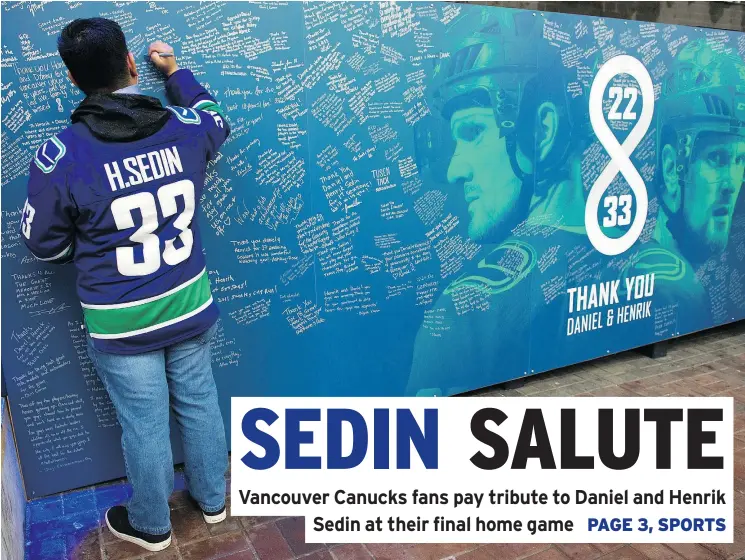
{"x": 95, "y": 51}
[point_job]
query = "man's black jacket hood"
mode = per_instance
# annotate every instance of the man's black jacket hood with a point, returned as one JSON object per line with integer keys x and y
{"x": 116, "y": 117}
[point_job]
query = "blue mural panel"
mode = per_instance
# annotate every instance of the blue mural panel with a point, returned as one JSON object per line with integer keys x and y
{"x": 415, "y": 199}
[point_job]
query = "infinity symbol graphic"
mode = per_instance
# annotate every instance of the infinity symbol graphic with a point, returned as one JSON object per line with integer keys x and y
{"x": 619, "y": 153}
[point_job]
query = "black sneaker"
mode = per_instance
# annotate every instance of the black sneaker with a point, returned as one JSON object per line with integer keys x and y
{"x": 215, "y": 516}
{"x": 210, "y": 517}
{"x": 118, "y": 523}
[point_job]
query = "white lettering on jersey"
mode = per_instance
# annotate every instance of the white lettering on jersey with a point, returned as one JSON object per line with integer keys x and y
{"x": 216, "y": 117}
{"x": 143, "y": 168}
{"x": 28, "y": 217}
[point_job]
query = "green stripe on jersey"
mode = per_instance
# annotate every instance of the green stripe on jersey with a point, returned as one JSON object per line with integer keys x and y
{"x": 152, "y": 315}
{"x": 207, "y": 105}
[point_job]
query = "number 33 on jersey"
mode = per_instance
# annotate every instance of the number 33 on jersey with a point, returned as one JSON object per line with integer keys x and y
{"x": 124, "y": 211}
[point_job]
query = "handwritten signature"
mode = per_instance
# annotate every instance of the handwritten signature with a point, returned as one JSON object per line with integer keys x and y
{"x": 51, "y": 311}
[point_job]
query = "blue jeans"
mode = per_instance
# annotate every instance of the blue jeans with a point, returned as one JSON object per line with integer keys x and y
{"x": 139, "y": 387}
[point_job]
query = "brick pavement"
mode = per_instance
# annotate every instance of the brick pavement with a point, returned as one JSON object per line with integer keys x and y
{"x": 711, "y": 363}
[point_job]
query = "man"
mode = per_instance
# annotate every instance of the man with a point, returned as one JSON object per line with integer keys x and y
{"x": 116, "y": 194}
{"x": 702, "y": 151}
{"x": 513, "y": 134}
{"x": 699, "y": 177}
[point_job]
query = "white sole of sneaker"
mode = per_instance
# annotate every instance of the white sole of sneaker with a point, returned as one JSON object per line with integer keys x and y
{"x": 215, "y": 518}
{"x": 152, "y": 547}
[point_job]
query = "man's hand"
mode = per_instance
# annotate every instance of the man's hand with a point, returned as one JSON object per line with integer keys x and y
{"x": 166, "y": 64}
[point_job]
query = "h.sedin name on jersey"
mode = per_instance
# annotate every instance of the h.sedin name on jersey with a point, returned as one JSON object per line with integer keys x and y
{"x": 609, "y": 303}
{"x": 144, "y": 168}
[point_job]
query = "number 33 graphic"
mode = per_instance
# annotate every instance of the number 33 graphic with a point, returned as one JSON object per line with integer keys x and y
{"x": 612, "y": 203}
{"x": 145, "y": 202}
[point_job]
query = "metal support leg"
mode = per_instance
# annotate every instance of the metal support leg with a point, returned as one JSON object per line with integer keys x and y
{"x": 656, "y": 350}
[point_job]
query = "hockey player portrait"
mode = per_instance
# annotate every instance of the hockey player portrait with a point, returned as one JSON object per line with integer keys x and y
{"x": 506, "y": 142}
{"x": 701, "y": 167}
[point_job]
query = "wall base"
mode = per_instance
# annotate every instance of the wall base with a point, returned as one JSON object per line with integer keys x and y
{"x": 656, "y": 350}
{"x": 13, "y": 495}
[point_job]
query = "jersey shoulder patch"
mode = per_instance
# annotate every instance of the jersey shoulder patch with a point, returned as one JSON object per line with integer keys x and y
{"x": 186, "y": 115}
{"x": 49, "y": 154}
{"x": 500, "y": 270}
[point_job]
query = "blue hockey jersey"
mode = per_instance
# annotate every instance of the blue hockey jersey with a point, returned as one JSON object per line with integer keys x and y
{"x": 116, "y": 193}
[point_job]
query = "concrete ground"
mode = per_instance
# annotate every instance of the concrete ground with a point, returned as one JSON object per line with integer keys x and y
{"x": 712, "y": 363}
